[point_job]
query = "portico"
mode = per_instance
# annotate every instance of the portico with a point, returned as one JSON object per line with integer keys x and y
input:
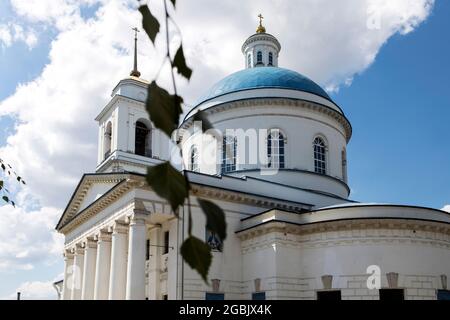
{"x": 109, "y": 262}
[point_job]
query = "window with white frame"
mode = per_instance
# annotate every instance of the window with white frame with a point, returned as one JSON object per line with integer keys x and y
{"x": 259, "y": 58}
{"x": 193, "y": 159}
{"x": 229, "y": 150}
{"x": 270, "y": 59}
{"x": 320, "y": 165}
{"x": 275, "y": 149}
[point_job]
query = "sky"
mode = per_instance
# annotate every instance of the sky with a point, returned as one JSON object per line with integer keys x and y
{"x": 385, "y": 63}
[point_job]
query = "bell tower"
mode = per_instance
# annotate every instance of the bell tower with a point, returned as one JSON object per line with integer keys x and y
{"x": 127, "y": 139}
{"x": 261, "y": 49}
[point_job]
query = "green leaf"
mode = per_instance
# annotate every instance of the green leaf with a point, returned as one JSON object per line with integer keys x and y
{"x": 1, "y": 184}
{"x": 179, "y": 62}
{"x": 197, "y": 254}
{"x": 5, "y": 198}
{"x": 168, "y": 183}
{"x": 164, "y": 108}
{"x": 149, "y": 23}
{"x": 3, "y": 167}
{"x": 215, "y": 218}
{"x": 13, "y": 204}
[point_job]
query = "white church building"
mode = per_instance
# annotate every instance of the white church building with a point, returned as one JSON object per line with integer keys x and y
{"x": 293, "y": 232}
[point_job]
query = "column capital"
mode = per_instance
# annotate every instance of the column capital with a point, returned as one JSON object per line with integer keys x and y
{"x": 118, "y": 226}
{"x": 68, "y": 255}
{"x": 103, "y": 235}
{"x": 138, "y": 217}
{"x": 89, "y": 242}
{"x": 78, "y": 249}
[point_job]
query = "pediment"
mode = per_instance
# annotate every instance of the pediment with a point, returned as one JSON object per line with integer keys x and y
{"x": 90, "y": 189}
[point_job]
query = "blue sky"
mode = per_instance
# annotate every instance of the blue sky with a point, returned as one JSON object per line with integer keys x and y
{"x": 400, "y": 112}
{"x": 399, "y": 106}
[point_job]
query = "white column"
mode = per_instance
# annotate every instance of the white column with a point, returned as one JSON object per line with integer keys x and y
{"x": 67, "y": 283}
{"x": 102, "y": 266}
{"x": 90, "y": 259}
{"x": 118, "y": 276}
{"x": 77, "y": 273}
{"x": 155, "y": 263}
{"x": 136, "y": 258}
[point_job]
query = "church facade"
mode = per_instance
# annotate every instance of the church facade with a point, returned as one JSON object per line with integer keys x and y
{"x": 293, "y": 232}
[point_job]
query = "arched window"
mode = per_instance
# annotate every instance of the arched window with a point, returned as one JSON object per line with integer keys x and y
{"x": 229, "y": 149}
{"x": 193, "y": 159}
{"x": 143, "y": 141}
{"x": 270, "y": 59}
{"x": 259, "y": 58}
{"x": 249, "y": 61}
{"x": 107, "y": 140}
{"x": 275, "y": 149}
{"x": 344, "y": 164}
{"x": 320, "y": 156}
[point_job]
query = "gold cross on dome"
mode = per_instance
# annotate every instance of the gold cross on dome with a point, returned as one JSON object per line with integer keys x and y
{"x": 260, "y": 28}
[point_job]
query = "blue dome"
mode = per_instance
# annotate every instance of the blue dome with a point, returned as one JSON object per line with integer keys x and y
{"x": 263, "y": 77}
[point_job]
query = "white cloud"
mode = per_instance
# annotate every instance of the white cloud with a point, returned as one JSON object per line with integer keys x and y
{"x": 12, "y": 32}
{"x": 5, "y": 36}
{"x": 55, "y": 138}
{"x": 446, "y": 208}
{"x": 36, "y": 290}
{"x": 28, "y": 238}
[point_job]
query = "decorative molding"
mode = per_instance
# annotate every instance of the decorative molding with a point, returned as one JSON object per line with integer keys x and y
{"x": 261, "y": 37}
{"x": 348, "y": 232}
{"x": 115, "y": 100}
{"x": 103, "y": 235}
{"x": 327, "y": 281}
{"x": 71, "y": 218}
{"x": 119, "y": 227}
{"x": 444, "y": 281}
{"x": 236, "y": 196}
{"x": 392, "y": 278}
{"x": 286, "y": 102}
{"x": 257, "y": 283}
{"x": 89, "y": 242}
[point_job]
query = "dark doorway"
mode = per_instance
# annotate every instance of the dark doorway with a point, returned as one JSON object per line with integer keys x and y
{"x": 392, "y": 294}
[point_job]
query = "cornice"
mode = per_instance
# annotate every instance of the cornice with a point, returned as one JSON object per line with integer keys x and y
{"x": 276, "y": 226}
{"x": 115, "y": 99}
{"x": 74, "y": 219}
{"x": 260, "y": 37}
{"x": 242, "y": 198}
{"x": 131, "y": 181}
{"x": 276, "y": 101}
{"x": 85, "y": 184}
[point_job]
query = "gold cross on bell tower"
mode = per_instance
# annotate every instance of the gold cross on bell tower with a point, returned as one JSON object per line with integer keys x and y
{"x": 135, "y": 72}
{"x": 260, "y": 28}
